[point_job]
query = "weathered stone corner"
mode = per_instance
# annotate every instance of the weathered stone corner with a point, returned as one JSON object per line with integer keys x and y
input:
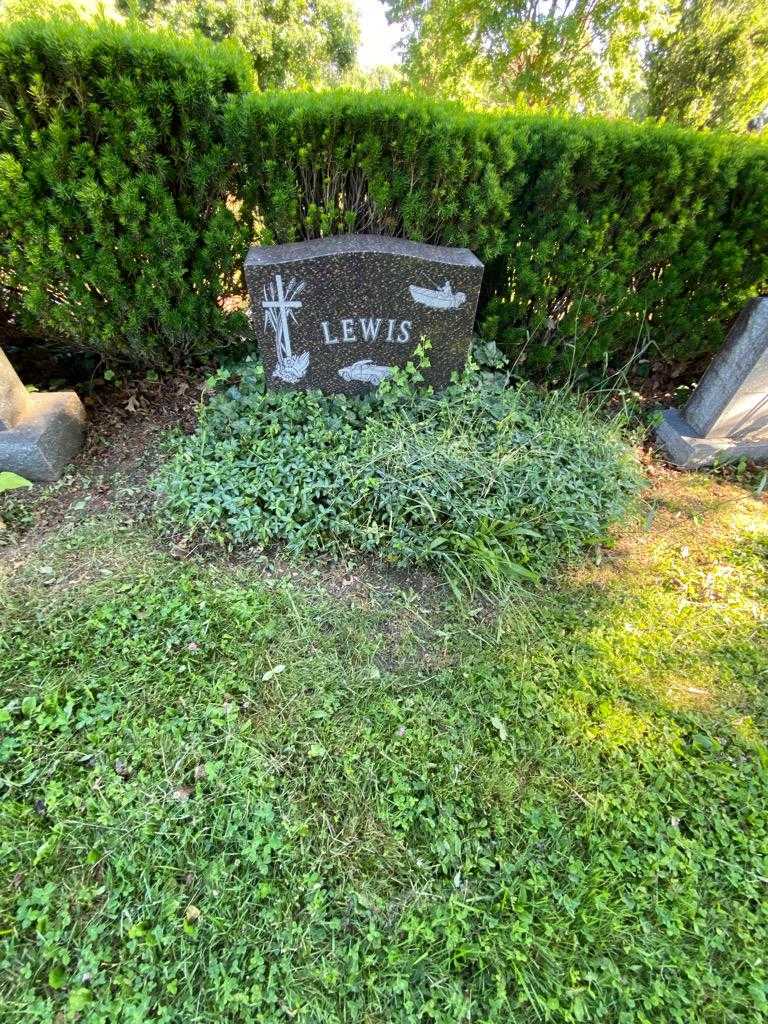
{"x": 39, "y": 433}
{"x": 689, "y": 450}
{"x": 726, "y": 418}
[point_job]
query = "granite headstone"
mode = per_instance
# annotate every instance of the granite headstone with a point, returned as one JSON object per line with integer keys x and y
{"x": 726, "y": 418}
{"x": 39, "y": 433}
{"x": 340, "y": 313}
{"x": 13, "y": 395}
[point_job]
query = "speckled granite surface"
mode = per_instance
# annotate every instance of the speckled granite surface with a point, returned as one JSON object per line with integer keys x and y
{"x": 339, "y": 313}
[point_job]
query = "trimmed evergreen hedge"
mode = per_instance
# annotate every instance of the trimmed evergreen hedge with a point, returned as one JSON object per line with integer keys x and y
{"x": 135, "y": 169}
{"x": 114, "y": 231}
{"x": 594, "y": 233}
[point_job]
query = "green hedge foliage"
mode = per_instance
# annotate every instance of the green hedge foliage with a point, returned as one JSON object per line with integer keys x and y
{"x": 597, "y": 236}
{"x": 135, "y": 169}
{"x": 115, "y": 233}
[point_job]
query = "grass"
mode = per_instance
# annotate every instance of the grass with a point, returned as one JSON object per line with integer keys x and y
{"x": 230, "y": 797}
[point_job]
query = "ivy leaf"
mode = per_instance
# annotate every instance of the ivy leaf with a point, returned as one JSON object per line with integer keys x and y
{"x": 57, "y": 977}
{"x": 79, "y": 999}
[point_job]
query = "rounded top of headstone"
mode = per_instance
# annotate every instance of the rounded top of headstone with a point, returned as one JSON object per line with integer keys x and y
{"x": 336, "y": 245}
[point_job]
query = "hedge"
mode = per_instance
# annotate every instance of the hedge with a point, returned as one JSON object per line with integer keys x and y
{"x": 114, "y": 231}
{"x": 135, "y": 169}
{"x": 595, "y": 234}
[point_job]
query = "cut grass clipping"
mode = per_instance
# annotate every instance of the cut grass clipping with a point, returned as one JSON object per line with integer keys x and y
{"x": 491, "y": 483}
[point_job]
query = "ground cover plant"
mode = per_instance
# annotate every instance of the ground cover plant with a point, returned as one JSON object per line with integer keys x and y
{"x": 487, "y": 481}
{"x": 136, "y": 168}
{"x": 228, "y": 797}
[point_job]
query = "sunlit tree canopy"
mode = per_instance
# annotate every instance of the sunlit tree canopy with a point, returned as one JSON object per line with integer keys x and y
{"x": 291, "y": 42}
{"x": 698, "y": 62}
{"x": 711, "y": 71}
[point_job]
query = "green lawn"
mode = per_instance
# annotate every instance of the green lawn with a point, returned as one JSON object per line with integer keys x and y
{"x": 230, "y": 797}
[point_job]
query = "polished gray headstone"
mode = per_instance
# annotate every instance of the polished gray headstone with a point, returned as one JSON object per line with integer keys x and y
{"x": 726, "y": 418}
{"x": 39, "y": 433}
{"x": 340, "y": 313}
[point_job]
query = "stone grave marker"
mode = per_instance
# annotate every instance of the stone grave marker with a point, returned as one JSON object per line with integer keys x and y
{"x": 39, "y": 433}
{"x": 340, "y": 313}
{"x": 726, "y": 418}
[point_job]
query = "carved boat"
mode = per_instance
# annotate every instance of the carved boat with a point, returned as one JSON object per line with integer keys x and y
{"x": 438, "y": 298}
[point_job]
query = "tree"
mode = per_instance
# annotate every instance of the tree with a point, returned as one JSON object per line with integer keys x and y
{"x": 376, "y": 79}
{"x": 291, "y": 42}
{"x": 84, "y": 10}
{"x": 711, "y": 71}
{"x": 560, "y": 55}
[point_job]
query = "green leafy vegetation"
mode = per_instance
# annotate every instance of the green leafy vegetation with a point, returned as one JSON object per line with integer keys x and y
{"x": 114, "y": 230}
{"x": 227, "y": 799}
{"x": 701, "y": 63}
{"x": 711, "y": 71}
{"x": 15, "y": 516}
{"x": 135, "y": 168}
{"x": 558, "y": 57}
{"x": 294, "y": 42}
{"x": 487, "y": 481}
{"x": 10, "y": 481}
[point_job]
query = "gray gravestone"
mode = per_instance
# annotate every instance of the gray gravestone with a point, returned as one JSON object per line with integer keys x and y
{"x": 727, "y": 415}
{"x": 39, "y": 433}
{"x": 13, "y": 394}
{"x": 340, "y": 313}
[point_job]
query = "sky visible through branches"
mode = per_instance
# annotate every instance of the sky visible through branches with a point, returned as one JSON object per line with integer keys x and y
{"x": 378, "y": 39}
